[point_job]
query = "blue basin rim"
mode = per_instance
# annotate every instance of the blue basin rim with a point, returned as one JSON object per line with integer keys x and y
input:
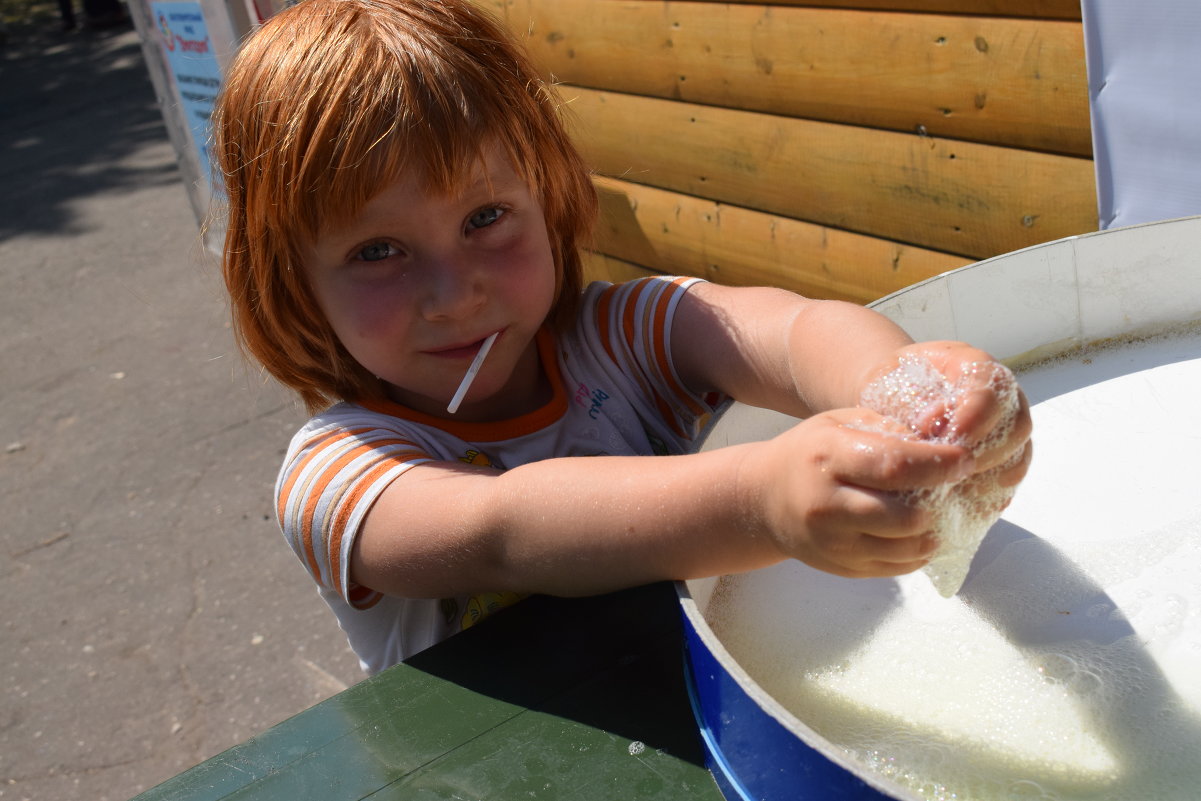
{"x": 751, "y": 755}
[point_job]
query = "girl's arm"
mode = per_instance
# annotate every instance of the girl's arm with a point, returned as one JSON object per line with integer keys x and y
{"x": 583, "y": 525}
{"x": 778, "y": 350}
{"x": 823, "y": 492}
{"x": 771, "y": 348}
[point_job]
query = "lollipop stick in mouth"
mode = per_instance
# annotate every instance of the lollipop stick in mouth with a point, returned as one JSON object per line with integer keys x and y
{"x": 476, "y": 363}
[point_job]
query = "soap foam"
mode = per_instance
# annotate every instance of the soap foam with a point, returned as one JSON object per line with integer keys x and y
{"x": 980, "y": 701}
{"x": 1067, "y": 669}
{"x": 962, "y": 511}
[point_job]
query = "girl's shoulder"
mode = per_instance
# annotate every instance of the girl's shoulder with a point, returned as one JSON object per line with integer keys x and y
{"x": 350, "y": 422}
{"x": 346, "y": 415}
{"x": 633, "y": 316}
{"x": 637, "y": 291}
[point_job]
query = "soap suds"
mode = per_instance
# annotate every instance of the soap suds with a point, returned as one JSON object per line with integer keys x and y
{"x": 921, "y": 398}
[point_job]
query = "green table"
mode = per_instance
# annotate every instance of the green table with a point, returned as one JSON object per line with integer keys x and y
{"x": 550, "y": 699}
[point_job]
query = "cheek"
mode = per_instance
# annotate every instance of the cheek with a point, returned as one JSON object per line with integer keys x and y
{"x": 372, "y": 313}
{"x": 361, "y": 315}
{"x": 533, "y": 268}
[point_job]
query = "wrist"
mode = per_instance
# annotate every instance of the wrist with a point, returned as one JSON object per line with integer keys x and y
{"x": 755, "y": 507}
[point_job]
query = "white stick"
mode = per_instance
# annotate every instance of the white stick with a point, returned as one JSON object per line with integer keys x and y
{"x": 476, "y": 363}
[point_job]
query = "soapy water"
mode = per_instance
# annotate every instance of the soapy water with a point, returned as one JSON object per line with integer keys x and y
{"x": 971, "y": 705}
{"x": 1066, "y": 670}
{"x": 922, "y": 399}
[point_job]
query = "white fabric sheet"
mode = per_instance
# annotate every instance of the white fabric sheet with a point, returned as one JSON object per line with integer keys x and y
{"x": 1144, "y": 75}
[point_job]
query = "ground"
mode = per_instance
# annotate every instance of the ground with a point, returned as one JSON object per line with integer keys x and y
{"x": 152, "y": 614}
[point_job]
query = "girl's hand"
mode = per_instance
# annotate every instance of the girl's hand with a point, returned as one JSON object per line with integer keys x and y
{"x": 829, "y": 492}
{"x": 975, "y": 410}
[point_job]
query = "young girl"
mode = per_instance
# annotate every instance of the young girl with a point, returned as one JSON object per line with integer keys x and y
{"x": 402, "y": 194}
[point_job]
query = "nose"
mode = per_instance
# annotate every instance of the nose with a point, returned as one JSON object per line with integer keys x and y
{"x": 455, "y": 289}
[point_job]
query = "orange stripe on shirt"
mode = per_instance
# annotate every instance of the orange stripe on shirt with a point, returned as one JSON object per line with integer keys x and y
{"x": 602, "y": 320}
{"x": 629, "y": 314}
{"x": 662, "y": 358}
{"x": 346, "y": 506}
{"x": 654, "y": 353}
{"x": 316, "y": 489}
{"x": 633, "y": 293}
{"x": 363, "y": 597}
{"x": 333, "y": 438}
{"x": 302, "y": 534}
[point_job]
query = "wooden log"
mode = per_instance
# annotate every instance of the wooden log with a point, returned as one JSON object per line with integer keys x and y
{"x": 956, "y": 197}
{"x": 1015, "y": 82}
{"x": 1043, "y": 9}
{"x": 681, "y": 235}
{"x": 1034, "y": 9}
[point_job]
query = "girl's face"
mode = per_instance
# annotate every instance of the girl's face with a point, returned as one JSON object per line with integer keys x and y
{"x": 415, "y": 283}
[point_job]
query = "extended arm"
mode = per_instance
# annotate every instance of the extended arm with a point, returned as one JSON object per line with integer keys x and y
{"x": 774, "y": 349}
{"x": 581, "y": 525}
{"x": 771, "y": 348}
{"x": 822, "y": 492}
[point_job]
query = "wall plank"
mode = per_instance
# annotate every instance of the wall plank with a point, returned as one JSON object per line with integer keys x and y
{"x": 957, "y": 197}
{"x": 679, "y": 234}
{"x": 840, "y": 148}
{"x": 1015, "y": 82}
{"x": 1034, "y": 9}
{"x": 1044, "y": 9}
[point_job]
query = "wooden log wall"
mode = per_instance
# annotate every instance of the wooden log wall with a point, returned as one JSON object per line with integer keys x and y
{"x": 844, "y": 149}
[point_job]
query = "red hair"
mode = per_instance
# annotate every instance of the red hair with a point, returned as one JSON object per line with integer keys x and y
{"x": 326, "y": 104}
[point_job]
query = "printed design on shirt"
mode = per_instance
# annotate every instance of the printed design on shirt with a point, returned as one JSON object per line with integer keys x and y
{"x": 658, "y": 446}
{"x": 477, "y": 458}
{"x": 484, "y": 604}
{"x": 590, "y": 399}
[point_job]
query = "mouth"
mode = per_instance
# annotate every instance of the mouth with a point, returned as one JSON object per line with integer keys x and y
{"x": 466, "y": 350}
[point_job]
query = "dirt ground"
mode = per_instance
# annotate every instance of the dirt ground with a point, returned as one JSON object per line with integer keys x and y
{"x": 152, "y": 615}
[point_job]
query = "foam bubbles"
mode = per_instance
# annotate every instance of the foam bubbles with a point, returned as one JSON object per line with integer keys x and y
{"x": 918, "y": 396}
{"x": 1067, "y": 669}
{"x": 1025, "y": 790}
{"x": 1023, "y": 688}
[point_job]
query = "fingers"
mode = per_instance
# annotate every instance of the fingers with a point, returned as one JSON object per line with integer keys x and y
{"x": 857, "y": 495}
{"x": 873, "y": 569}
{"x": 862, "y": 448}
{"x": 864, "y": 555}
{"x": 978, "y": 408}
{"x": 1002, "y": 447}
{"x": 856, "y": 516}
{"x": 1010, "y": 472}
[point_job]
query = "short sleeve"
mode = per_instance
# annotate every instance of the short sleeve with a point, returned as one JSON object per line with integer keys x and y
{"x": 633, "y": 324}
{"x": 331, "y": 476}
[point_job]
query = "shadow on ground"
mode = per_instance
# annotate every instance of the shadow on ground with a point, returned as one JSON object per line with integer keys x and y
{"x": 70, "y": 125}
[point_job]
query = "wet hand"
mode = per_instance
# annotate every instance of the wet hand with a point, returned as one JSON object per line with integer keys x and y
{"x": 953, "y": 392}
{"x": 830, "y": 492}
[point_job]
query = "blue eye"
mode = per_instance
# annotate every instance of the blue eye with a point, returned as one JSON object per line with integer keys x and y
{"x": 485, "y": 217}
{"x": 376, "y": 251}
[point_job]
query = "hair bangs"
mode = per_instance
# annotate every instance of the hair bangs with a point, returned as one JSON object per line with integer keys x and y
{"x": 402, "y": 98}
{"x": 328, "y": 103}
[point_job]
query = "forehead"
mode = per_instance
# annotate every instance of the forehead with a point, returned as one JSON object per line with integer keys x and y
{"x": 492, "y": 169}
{"x": 416, "y": 191}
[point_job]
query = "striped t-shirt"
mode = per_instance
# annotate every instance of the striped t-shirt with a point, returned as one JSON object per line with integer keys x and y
{"x": 615, "y": 393}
